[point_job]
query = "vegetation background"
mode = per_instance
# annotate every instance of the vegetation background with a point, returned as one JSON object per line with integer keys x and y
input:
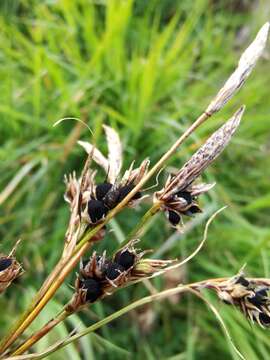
{"x": 147, "y": 68}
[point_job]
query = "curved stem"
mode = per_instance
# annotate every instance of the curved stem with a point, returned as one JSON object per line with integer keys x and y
{"x": 148, "y": 299}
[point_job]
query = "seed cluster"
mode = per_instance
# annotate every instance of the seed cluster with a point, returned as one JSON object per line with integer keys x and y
{"x": 251, "y": 298}
{"x": 100, "y": 276}
{"x": 106, "y": 197}
{"x": 189, "y": 209}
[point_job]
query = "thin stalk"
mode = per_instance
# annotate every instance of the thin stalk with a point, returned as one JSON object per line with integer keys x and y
{"x": 54, "y": 283}
{"x": 42, "y": 332}
{"x": 44, "y": 300}
{"x": 193, "y": 288}
{"x": 148, "y": 299}
{"x": 209, "y": 283}
{"x": 136, "y": 232}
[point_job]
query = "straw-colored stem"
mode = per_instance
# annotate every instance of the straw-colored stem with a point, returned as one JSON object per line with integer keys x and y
{"x": 63, "y": 315}
{"x": 42, "y": 332}
{"x": 47, "y": 296}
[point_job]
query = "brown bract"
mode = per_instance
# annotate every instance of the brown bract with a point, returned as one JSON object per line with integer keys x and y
{"x": 250, "y": 296}
{"x": 10, "y": 273}
{"x": 112, "y": 165}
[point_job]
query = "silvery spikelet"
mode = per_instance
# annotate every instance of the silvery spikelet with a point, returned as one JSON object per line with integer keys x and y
{"x": 179, "y": 195}
{"x": 245, "y": 66}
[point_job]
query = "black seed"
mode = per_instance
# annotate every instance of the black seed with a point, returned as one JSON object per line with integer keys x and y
{"x": 265, "y": 319}
{"x": 241, "y": 280}
{"x": 185, "y": 195}
{"x": 96, "y": 210}
{"x": 113, "y": 270}
{"x": 259, "y": 298}
{"x": 174, "y": 218}
{"x": 5, "y": 263}
{"x": 125, "y": 259}
{"x": 256, "y": 301}
{"x": 125, "y": 190}
{"x": 111, "y": 198}
{"x": 94, "y": 289}
{"x": 102, "y": 190}
{"x": 192, "y": 210}
{"x": 262, "y": 293}
{"x": 84, "y": 263}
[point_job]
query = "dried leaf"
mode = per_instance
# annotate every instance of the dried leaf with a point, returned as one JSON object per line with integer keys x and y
{"x": 246, "y": 64}
{"x": 98, "y": 157}
{"x": 115, "y": 153}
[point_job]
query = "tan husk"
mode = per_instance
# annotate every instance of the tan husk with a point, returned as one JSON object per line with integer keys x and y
{"x": 10, "y": 273}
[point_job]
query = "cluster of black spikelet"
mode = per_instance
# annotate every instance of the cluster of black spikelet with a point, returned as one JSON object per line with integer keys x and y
{"x": 107, "y": 196}
{"x": 258, "y": 299}
{"x": 174, "y": 217}
{"x": 95, "y": 283}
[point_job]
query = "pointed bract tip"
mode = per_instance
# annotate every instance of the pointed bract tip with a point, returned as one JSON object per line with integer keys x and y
{"x": 237, "y": 116}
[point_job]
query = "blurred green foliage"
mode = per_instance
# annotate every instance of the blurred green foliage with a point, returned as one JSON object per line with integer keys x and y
{"x": 147, "y": 68}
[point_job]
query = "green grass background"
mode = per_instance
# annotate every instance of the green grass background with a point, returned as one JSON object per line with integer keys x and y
{"x": 147, "y": 68}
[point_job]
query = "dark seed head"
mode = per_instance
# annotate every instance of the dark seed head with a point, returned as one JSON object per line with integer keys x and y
{"x": 113, "y": 270}
{"x": 125, "y": 259}
{"x": 125, "y": 190}
{"x": 192, "y": 210}
{"x": 174, "y": 218}
{"x": 94, "y": 289}
{"x": 264, "y": 319}
{"x": 185, "y": 195}
{"x": 84, "y": 263}
{"x": 102, "y": 190}
{"x": 259, "y": 298}
{"x": 111, "y": 198}
{"x": 5, "y": 263}
{"x": 242, "y": 281}
{"x": 262, "y": 293}
{"x": 96, "y": 210}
